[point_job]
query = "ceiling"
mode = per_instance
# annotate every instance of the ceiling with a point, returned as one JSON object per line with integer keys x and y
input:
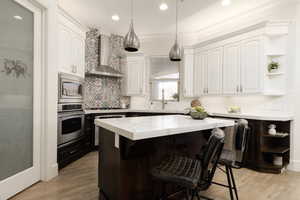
{"x": 193, "y": 14}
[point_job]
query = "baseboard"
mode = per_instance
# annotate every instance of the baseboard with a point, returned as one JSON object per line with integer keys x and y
{"x": 51, "y": 173}
{"x": 294, "y": 165}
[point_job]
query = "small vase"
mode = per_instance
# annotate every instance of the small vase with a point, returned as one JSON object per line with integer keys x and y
{"x": 273, "y": 70}
{"x": 272, "y": 129}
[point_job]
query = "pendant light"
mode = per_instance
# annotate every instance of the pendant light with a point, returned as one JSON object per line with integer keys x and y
{"x": 131, "y": 41}
{"x": 175, "y": 52}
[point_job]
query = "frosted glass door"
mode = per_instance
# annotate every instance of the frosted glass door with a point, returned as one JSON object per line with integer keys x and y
{"x": 18, "y": 96}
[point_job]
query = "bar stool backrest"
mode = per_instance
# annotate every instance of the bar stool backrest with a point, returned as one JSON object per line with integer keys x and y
{"x": 212, "y": 154}
{"x": 241, "y": 141}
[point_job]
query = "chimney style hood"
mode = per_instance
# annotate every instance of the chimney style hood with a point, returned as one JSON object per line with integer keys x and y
{"x": 104, "y": 68}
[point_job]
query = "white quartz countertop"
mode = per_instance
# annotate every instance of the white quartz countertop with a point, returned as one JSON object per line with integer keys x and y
{"x": 134, "y": 111}
{"x": 268, "y": 116}
{"x": 137, "y": 128}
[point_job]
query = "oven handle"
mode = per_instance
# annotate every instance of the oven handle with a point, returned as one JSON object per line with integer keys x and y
{"x": 109, "y": 116}
{"x": 71, "y": 116}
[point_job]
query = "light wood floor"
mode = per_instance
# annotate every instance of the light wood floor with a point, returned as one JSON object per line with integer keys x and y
{"x": 78, "y": 181}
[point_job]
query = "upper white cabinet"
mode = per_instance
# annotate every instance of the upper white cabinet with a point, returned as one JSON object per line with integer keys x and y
{"x": 188, "y": 73}
{"x": 135, "y": 76}
{"x": 242, "y": 67}
{"x": 71, "y": 45}
{"x": 200, "y": 74}
{"x": 226, "y": 68}
{"x": 251, "y": 66}
{"x": 213, "y": 67}
{"x": 231, "y": 68}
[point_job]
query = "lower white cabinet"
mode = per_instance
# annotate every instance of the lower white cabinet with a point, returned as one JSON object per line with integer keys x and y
{"x": 71, "y": 47}
{"x": 135, "y": 73}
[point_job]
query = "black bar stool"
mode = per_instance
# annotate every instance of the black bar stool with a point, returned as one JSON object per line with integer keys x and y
{"x": 193, "y": 175}
{"x": 234, "y": 158}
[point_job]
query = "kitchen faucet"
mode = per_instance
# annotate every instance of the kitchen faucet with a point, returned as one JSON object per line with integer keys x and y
{"x": 163, "y": 101}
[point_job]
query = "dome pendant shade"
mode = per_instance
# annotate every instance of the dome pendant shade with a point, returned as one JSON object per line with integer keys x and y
{"x": 175, "y": 53}
{"x": 131, "y": 41}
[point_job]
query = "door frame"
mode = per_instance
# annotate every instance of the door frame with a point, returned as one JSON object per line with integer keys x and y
{"x": 24, "y": 179}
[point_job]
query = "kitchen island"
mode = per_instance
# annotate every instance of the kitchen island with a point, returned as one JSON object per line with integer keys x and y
{"x": 130, "y": 147}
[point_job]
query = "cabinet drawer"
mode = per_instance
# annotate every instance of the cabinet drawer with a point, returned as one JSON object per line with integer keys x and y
{"x": 72, "y": 152}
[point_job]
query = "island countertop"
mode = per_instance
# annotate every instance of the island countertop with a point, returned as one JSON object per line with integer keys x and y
{"x": 138, "y": 128}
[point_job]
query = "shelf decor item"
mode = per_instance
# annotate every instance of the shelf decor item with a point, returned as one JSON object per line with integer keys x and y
{"x": 198, "y": 112}
{"x": 272, "y": 129}
{"x": 273, "y": 67}
{"x": 234, "y": 109}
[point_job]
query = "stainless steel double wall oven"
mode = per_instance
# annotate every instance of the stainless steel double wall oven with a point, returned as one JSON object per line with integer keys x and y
{"x": 70, "y": 109}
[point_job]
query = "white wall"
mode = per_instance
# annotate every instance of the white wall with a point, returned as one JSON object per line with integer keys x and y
{"x": 295, "y": 95}
{"x": 284, "y": 10}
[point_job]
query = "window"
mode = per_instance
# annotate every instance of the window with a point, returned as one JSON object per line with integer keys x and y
{"x": 164, "y": 79}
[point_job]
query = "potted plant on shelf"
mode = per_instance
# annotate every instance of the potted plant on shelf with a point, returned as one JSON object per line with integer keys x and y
{"x": 273, "y": 67}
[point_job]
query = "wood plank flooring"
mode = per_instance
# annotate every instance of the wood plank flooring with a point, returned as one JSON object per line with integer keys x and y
{"x": 78, "y": 181}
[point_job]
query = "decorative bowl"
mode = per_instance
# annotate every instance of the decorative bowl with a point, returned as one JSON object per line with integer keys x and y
{"x": 198, "y": 115}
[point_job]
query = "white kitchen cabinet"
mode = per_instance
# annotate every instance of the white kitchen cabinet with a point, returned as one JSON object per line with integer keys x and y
{"x": 188, "y": 73}
{"x": 242, "y": 67}
{"x": 214, "y": 71}
{"x": 231, "y": 68}
{"x": 135, "y": 76}
{"x": 71, "y": 46}
{"x": 64, "y": 49}
{"x": 200, "y": 74}
{"x": 251, "y": 60}
{"x": 208, "y": 72}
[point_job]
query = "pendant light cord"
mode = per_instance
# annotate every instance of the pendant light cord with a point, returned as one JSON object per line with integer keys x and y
{"x": 131, "y": 10}
{"x": 176, "y": 19}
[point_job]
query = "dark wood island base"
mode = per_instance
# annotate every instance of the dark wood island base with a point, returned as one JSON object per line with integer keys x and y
{"x": 124, "y": 172}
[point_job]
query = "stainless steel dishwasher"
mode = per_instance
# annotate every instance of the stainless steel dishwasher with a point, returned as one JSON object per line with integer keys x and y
{"x": 97, "y": 128}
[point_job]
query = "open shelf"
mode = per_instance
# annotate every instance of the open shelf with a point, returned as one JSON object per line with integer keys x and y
{"x": 276, "y": 136}
{"x": 274, "y": 93}
{"x": 275, "y": 73}
{"x": 275, "y": 150}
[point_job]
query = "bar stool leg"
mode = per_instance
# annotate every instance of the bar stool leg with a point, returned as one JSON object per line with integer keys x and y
{"x": 233, "y": 182}
{"x": 229, "y": 182}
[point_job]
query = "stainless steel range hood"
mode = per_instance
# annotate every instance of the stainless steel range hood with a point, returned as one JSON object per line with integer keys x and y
{"x": 104, "y": 68}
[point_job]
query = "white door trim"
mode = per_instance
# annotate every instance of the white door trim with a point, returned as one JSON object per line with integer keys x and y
{"x": 26, "y": 178}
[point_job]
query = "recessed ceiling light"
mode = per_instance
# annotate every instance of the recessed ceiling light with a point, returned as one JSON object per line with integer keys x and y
{"x": 226, "y": 2}
{"x": 18, "y": 17}
{"x": 115, "y": 17}
{"x": 163, "y": 6}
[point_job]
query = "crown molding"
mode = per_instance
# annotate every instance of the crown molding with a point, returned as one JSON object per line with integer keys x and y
{"x": 64, "y": 13}
{"x": 251, "y": 19}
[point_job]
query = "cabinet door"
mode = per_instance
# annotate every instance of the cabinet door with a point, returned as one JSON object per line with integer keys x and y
{"x": 200, "y": 74}
{"x": 214, "y": 71}
{"x": 64, "y": 49}
{"x": 231, "y": 68}
{"x": 135, "y": 77}
{"x": 77, "y": 58}
{"x": 188, "y": 74}
{"x": 251, "y": 66}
